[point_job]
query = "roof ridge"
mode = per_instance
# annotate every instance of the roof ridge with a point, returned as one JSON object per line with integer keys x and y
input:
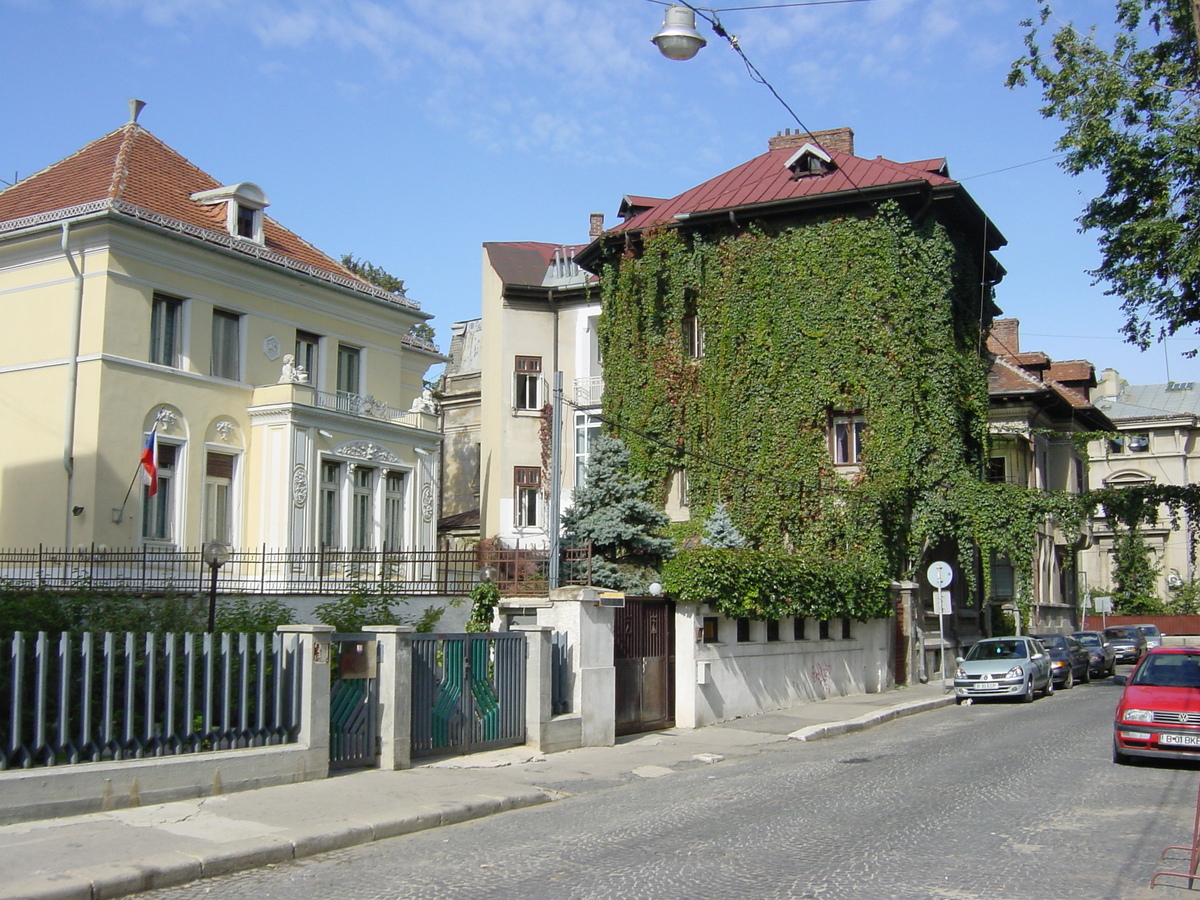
{"x": 120, "y": 173}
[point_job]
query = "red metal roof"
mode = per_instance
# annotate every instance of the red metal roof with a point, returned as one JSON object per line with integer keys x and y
{"x": 766, "y": 179}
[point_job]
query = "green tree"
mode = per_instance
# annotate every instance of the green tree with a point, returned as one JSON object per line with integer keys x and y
{"x": 1135, "y": 577}
{"x": 1131, "y": 114}
{"x": 610, "y": 511}
{"x": 382, "y": 278}
{"x": 719, "y": 531}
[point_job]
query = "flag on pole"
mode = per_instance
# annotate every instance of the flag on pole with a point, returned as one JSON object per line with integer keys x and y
{"x": 150, "y": 462}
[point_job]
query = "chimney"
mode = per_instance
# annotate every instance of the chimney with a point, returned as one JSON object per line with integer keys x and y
{"x": 840, "y": 139}
{"x": 595, "y": 225}
{"x": 1110, "y": 384}
{"x": 135, "y": 109}
{"x": 1005, "y": 337}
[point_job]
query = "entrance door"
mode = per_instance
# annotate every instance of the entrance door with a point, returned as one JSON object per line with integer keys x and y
{"x": 644, "y": 658}
{"x": 354, "y": 702}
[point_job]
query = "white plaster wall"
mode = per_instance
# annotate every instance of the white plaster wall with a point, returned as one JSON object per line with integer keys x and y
{"x": 746, "y": 679}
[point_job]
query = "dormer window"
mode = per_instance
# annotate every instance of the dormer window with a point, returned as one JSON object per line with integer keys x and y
{"x": 809, "y": 160}
{"x": 244, "y": 205}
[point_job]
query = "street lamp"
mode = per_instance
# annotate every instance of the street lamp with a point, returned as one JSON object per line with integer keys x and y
{"x": 215, "y": 554}
{"x": 679, "y": 38}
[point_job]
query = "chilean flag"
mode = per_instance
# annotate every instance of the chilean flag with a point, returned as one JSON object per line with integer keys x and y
{"x": 150, "y": 462}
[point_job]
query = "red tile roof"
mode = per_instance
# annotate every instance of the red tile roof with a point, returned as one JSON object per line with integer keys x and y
{"x": 765, "y": 179}
{"x": 133, "y": 172}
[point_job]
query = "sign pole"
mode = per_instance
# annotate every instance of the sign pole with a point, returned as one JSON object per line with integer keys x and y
{"x": 940, "y": 575}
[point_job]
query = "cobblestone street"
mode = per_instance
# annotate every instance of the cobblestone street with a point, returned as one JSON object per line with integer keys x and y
{"x": 985, "y": 802}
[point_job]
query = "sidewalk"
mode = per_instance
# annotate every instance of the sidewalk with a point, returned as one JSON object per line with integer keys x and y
{"x": 113, "y": 854}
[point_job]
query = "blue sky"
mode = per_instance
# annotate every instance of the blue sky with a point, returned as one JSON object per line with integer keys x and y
{"x": 411, "y": 132}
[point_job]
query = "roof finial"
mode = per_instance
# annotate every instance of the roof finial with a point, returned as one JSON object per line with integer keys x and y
{"x": 135, "y": 110}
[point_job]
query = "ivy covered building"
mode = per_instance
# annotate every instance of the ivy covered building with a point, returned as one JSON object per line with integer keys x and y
{"x": 804, "y": 338}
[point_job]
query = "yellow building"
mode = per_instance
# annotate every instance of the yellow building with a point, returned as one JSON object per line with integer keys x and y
{"x": 284, "y": 393}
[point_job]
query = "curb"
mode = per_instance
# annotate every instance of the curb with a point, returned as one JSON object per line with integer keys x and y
{"x": 832, "y": 729}
{"x": 175, "y": 868}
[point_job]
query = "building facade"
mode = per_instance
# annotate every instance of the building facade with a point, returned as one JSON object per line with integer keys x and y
{"x": 540, "y": 317}
{"x": 1158, "y": 429}
{"x": 178, "y": 368}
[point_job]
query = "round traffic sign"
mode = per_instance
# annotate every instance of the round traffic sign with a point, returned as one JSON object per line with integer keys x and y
{"x": 940, "y": 574}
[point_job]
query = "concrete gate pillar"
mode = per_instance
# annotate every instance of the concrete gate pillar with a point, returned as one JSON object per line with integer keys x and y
{"x": 577, "y": 612}
{"x": 906, "y": 648}
{"x": 394, "y": 681}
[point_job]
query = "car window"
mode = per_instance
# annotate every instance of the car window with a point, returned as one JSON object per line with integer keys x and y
{"x": 998, "y": 650}
{"x": 1088, "y": 640}
{"x": 1122, "y": 633}
{"x": 1073, "y": 644}
{"x": 1169, "y": 670}
{"x": 1052, "y": 640}
{"x": 1149, "y": 630}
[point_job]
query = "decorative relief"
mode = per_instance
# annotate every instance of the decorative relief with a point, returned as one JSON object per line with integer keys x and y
{"x": 225, "y": 429}
{"x": 299, "y": 486}
{"x": 427, "y": 502}
{"x": 367, "y": 450}
{"x": 165, "y": 418}
{"x": 271, "y": 348}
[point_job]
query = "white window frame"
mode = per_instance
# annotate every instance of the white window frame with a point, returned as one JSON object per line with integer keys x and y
{"x": 363, "y": 482}
{"x": 329, "y": 514}
{"x": 587, "y": 429}
{"x": 527, "y": 496}
{"x": 527, "y": 384}
{"x": 693, "y": 337}
{"x": 395, "y": 488}
{"x": 846, "y": 434}
{"x": 217, "y": 490}
{"x": 161, "y": 513}
{"x": 308, "y": 355}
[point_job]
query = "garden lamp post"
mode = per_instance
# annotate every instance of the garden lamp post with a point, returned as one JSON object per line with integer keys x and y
{"x": 215, "y": 554}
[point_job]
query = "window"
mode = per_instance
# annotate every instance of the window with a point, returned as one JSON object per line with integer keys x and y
{"x": 246, "y": 222}
{"x": 997, "y": 472}
{"x": 362, "y": 509}
{"x": 330, "y": 525}
{"x": 709, "y": 631}
{"x": 527, "y": 482}
{"x": 847, "y": 634}
{"x": 158, "y": 510}
{"x": 693, "y": 337}
{"x": 798, "y": 629}
{"x": 308, "y": 351}
{"x": 847, "y": 439}
{"x": 218, "y": 497}
{"x": 587, "y": 429}
{"x": 349, "y": 370}
{"x": 772, "y": 629}
{"x": 743, "y": 630}
{"x": 226, "y": 345}
{"x": 527, "y": 383}
{"x": 393, "y": 511}
{"x": 165, "y": 320}
{"x": 823, "y": 630}
{"x": 1002, "y": 578}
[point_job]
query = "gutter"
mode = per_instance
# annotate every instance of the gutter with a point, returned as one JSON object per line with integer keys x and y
{"x": 72, "y": 380}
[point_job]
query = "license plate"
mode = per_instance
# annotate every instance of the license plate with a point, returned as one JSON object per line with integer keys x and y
{"x": 987, "y": 686}
{"x": 1180, "y": 740}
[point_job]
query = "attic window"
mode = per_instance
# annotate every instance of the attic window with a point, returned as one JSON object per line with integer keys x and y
{"x": 244, "y": 204}
{"x": 809, "y": 160}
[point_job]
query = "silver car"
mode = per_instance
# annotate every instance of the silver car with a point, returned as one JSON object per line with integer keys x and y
{"x": 1004, "y": 667}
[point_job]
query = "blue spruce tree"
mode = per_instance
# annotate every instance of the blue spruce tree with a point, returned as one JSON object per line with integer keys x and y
{"x": 720, "y": 532}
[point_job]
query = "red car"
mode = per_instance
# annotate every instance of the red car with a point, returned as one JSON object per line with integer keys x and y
{"x": 1159, "y": 712}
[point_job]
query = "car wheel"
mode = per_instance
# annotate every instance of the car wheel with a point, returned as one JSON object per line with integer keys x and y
{"x": 1049, "y": 691}
{"x": 1027, "y": 697}
{"x": 1087, "y": 675}
{"x": 1069, "y": 681}
{"x": 1121, "y": 759}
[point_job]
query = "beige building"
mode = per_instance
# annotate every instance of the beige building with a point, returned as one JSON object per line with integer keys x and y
{"x": 540, "y": 312}
{"x": 140, "y": 295}
{"x": 1158, "y": 443}
{"x": 1036, "y": 404}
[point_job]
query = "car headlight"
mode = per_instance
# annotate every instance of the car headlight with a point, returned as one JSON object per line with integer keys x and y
{"x": 1137, "y": 715}
{"x": 960, "y": 674}
{"x": 1015, "y": 672}
{"x": 1058, "y": 664}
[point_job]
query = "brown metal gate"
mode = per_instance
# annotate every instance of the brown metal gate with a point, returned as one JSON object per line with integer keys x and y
{"x": 644, "y": 658}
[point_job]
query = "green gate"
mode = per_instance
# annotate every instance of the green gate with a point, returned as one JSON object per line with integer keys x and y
{"x": 354, "y": 702}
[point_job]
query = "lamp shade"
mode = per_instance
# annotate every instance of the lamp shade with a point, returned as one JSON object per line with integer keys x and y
{"x": 679, "y": 38}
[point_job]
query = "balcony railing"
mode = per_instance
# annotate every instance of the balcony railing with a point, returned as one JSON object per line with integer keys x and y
{"x": 588, "y": 391}
{"x": 365, "y": 405}
{"x": 325, "y": 572}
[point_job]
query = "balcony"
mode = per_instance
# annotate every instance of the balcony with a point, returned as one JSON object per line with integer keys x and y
{"x": 361, "y": 405}
{"x": 588, "y": 391}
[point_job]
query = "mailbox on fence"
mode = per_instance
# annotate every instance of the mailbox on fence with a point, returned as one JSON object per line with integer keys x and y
{"x": 357, "y": 659}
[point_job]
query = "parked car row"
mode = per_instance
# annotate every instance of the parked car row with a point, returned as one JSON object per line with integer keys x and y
{"x": 1023, "y": 666}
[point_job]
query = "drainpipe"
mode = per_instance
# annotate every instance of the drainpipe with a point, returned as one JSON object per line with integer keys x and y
{"x": 72, "y": 382}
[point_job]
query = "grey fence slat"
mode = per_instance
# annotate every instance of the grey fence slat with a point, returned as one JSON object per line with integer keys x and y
{"x": 64, "y": 699}
{"x": 106, "y": 726}
{"x": 42, "y": 687}
{"x": 149, "y": 733}
{"x": 86, "y": 746}
{"x": 18, "y": 681}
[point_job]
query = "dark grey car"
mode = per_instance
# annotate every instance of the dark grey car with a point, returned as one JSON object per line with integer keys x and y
{"x": 1100, "y": 652}
{"x": 1069, "y": 662}
{"x": 1127, "y": 642}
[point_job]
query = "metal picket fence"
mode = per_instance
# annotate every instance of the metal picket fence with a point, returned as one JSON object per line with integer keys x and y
{"x": 73, "y": 698}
